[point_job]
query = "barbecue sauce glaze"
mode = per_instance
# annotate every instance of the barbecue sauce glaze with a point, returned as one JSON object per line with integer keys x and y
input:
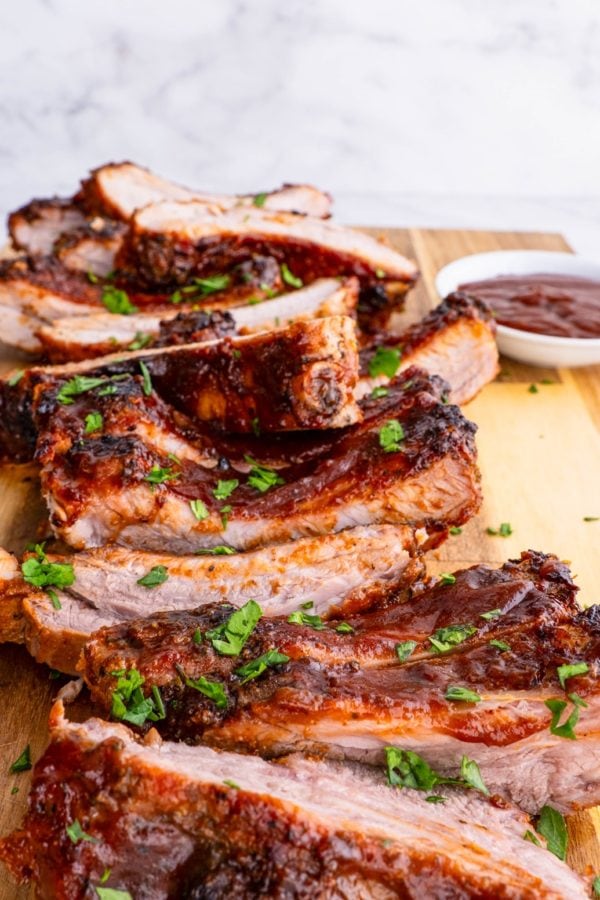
{"x": 557, "y": 305}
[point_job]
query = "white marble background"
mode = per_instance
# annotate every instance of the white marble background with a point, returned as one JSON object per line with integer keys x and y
{"x": 438, "y": 112}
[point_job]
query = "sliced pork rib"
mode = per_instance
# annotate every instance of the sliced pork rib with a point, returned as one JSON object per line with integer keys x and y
{"x": 118, "y": 189}
{"x": 171, "y": 242}
{"x": 411, "y": 461}
{"x": 476, "y": 683}
{"x": 85, "y": 337}
{"x": 239, "y": 827}
{"x": 456, "y": 340}
{"x": 338, "y": 574}
{"x": 36, "y": 226}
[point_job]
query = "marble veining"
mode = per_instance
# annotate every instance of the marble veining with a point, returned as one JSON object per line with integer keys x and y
{"x": 449, "y": 112}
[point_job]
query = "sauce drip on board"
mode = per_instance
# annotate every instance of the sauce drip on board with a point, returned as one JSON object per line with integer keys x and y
{"x": 557, "y": 305}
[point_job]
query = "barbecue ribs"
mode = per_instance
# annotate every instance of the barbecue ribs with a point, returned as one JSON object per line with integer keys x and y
{"x": 166, "y": 820}
{"x": 467, "y": 667}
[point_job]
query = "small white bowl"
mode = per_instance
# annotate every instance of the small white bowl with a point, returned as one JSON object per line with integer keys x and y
{"x": 525, "y": 346}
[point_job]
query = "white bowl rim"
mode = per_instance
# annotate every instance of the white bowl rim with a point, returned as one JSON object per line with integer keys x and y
{"x": 579, "y": 262}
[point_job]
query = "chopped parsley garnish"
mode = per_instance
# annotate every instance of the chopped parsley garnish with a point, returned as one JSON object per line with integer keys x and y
{"x": 129, "y": 703}
{"x": 455, "y": 530}
{"x": 435, "y": 798}
{"x": 444, "y": 639}
{"x": 79, "y": 384}
{"x": 301, "y": 618}
{"x": 530, "y": 836}
{"x": 105, "y": 391}
{"x": 380, "y": 391}
{"x": 533, "y": 389}
{"x": 407, "y": 769}
{"x": 229, "y": 638}
{"x": 117, "y": 301}
{"x": 112, "y": 894}
{"x": 22, "y": 763}
{"x": 219, "y": 550}
{"x": 261, "y": 477}
{"x": 259, "y": 199}
{"x": 140, "y": 341}
{"x": 146, "y": 380}
{"x": 502, "y": 646}
{"x": 405, "y": 649}
{"x": 256, "y": 667}
{"x": 225, "y": 489}
{"x": 197, "y": 636}
{"x": 390, "y": 436}
{"x": 157, "y": 575}
{"x": 557, "y": 708}
{"x": 224, "y": 513}
{"x": 92, "y": 277}
{"x": 231, "y": 784}
{"x": 385, "y": 361}
{"x": 158, "y": 475}
{"x": 585, "y": 518}
{"x": 344, "y": 628}
{"x": 255, "y": 425}
{"x": 551, "y": 825}
{"x": 490, "y": 614}
{"x": 93, "y": 422}
{"x": 54, "y": 599}
{"x": 447, "y": 578}
{"x": 198, "y": 507}
{"x": 471, "y": 775}
{"x": 596, "y": 886}
{"x": 212, "y": 689}
{"x": 308, "y": 604}
{"x": 457, "y": 693}
{"x": 570, "y": 671}
{"x": 289, "y": 278}
{"x": 40, "y": 572}
{"x": 15, "y": 379}
{"x": 504, "y": 531}
{"x": 76, "y": 833}
{"x": 210, "y": 285}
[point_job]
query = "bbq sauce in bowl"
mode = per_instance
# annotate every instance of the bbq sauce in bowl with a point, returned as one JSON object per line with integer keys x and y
{"x": 550, "y": 304}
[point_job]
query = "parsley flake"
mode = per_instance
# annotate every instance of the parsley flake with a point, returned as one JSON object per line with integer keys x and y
{"x": 570, "y": 671}
{"x": 288, "y": 278}
{"x": 385, "y": 361}
{"x": 390, "y": 436}
{"x": 212, "y": 689}
{"x": 198, "y": 507}
{"x": 117, "y": 301}
{"x": 129, "y": 703}
{"x": 79, "y": 384}
{"x": 40, "y": 572}
{"x": 256, "y": 667}
{"x": 502, "y": 646}
{"x": 551, "y": 825}
{"x": 158, "y": 475}
{"x": 224, "y": 489}
{"x": 447, "y": 578}
{"x": 219, "y": 550}
{"x": 229, "y": 638}
{"x": 301, "y": 618}
{"x": 259, "y": 199}
{"x": 76, "y": 833}
{"x": 405, "y": 649}
{"x": 146, "y": 380}
{"x": 504, "y": 531}
{"x": 457, "y": 693}
{"x": 261, "y": 477}
{"x": 444, "y": 639}
{"x": 140, "y": 341}
{"x": 22, "y": 763}
{"x": 93, "y": 422}
{"x": 157, "y": 575}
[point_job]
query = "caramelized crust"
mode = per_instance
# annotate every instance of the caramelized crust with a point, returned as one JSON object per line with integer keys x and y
{"x": 165, "y": 820}
{"x": 98, "y": 491}
{"x": 348, "y": 694}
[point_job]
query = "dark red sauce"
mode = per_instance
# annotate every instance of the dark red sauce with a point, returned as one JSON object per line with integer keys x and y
{"x": 558, "y": 305}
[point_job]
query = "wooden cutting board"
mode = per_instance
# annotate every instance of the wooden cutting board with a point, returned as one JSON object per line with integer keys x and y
{"x": 539, "y": 455}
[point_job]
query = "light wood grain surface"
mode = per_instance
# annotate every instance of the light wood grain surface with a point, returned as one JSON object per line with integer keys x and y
{"x": 539, "y": 455}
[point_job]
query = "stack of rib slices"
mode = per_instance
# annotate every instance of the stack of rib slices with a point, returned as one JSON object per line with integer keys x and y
{"x": 248, "y": 438}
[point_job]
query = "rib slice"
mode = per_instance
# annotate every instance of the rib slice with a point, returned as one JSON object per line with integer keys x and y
{"x": 118, "y": 189}
{"x": 98, "y": 491}
{"x": 169, "y": 242}
{"x": 456, "y": 340}
{"x": 239, "y": 827}
{"x": 338, "y": 574}
{"x": 351, "y": 702}
{"x": 84, "y": 337}
{"x": 36, "y": 226}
